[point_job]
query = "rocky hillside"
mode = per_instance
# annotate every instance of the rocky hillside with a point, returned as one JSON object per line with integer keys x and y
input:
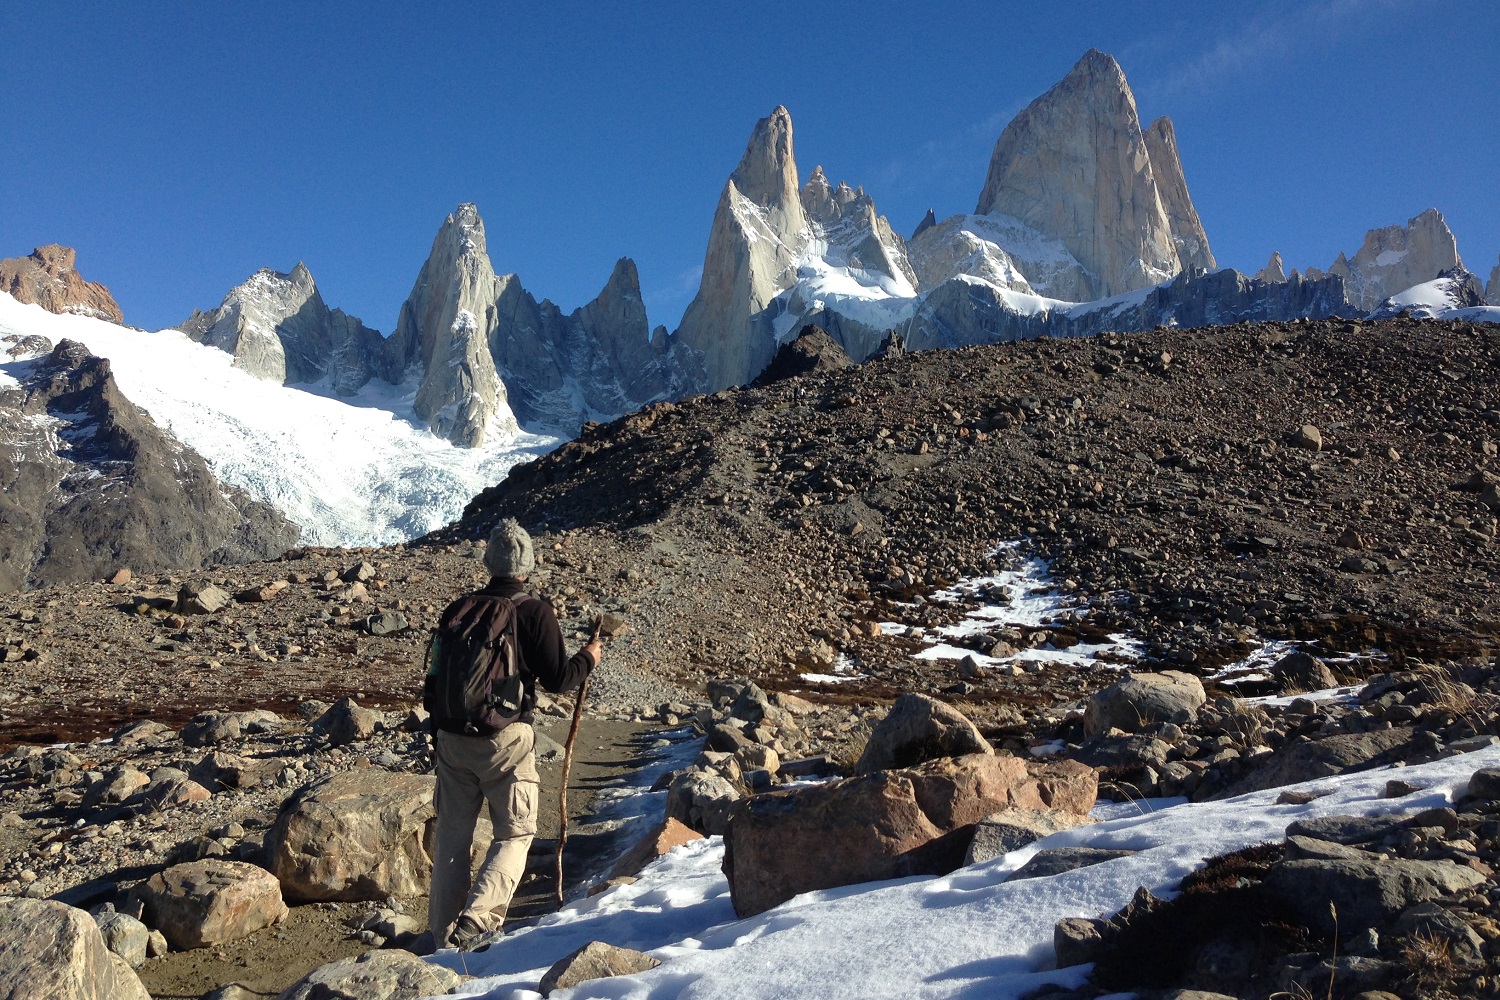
{"x": 47, "y": 277}
{"x": 92, "y": 485}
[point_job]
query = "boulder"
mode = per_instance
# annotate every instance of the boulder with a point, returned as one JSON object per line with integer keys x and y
{"x": 209, "y": 902}
{"x": 595, "y": 960}
{"x": 1437, "y": 923}
{"x": 884, "y": 825}
{"x": 117, "y": 785}
{"x": 220, "y": 771}
{"x": 200, "y": 599}
{"x": 375, "y": 975}
{"x": 50, "y": 951}
{"x": 125, "y": 936}
{"x": 356, "y": 835}
{"x": 1139, "y": 700}
{"x": 1338, "y": 754}
{"x": 918, "y": 729}
{"x": 1362, "y": 893}
{"x": 346, "y": 722}
{"x": 386, "y": 623}
{"x": 702, "y": 800}
{"x": 655, "y": 844}
{"x": 1308, "y": 438}
{"x": 1300, "y": 671}
{"x": 211, "y": 728}
{"x": 1009, "y": 829}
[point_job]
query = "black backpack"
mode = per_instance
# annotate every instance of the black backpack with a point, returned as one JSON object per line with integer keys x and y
{"x": 474, "y": 683}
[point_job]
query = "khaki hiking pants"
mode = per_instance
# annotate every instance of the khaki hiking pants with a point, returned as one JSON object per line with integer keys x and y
{"x": 471, "y": 771}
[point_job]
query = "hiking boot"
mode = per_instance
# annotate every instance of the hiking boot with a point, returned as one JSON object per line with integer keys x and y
{"x": 469, "y": 936}
{"x": 465, "y": 933}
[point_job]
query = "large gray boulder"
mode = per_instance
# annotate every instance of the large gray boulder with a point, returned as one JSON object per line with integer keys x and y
{"x": 1011, "y": 829}
{"x": 125, "y": 936}
{"x": 356, "y": 835}
{"x": 50, "y": 951}
{"x": 1356, "y": 893}
{"x": 374, "y": 975}
{"x": 917, "y": 729}
{"x": 1338, "y": 754}
{"x": 1138, "y": 701}
{"x": 209, "y": 902}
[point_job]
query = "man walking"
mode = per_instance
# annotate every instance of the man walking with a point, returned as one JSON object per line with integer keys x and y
{"x": 493, "y": 763}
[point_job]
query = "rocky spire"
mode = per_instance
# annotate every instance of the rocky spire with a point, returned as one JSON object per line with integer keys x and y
{"x": 1171, "y": 186}
{"x": 928, "y": 221}
{"x": 47, "y": 277}
{"x": 1492, "y": 288}
{"x": 767, "y": 174}
{"x": 759, "y": 231}
{"x": 1074, "y": 166}
{"x": 445, "y": 326}
{"x": 1274, "y": 271}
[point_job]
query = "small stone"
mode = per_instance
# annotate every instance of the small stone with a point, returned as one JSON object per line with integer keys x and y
{"x": 1308, "y": 437}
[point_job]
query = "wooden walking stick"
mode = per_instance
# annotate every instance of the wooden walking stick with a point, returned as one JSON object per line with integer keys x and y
{"x": 562, "y": 810}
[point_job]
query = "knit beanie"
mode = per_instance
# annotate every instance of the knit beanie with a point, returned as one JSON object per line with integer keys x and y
{"x": 509, "y": 553}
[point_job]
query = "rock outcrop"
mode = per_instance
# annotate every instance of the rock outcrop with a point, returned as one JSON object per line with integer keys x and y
{"x": 1171, "y": 186}
{"x": 46, "y": 277}
{"x": 278, "y": 327}
{"x": 1394, "y": 258}
{"x": 1075, "y": 167}
{"x": 1274, "y": 271}
{"x": 1492, "y": 287}
{"x": 92, "y": 484}
{"x": 813, "y": 351}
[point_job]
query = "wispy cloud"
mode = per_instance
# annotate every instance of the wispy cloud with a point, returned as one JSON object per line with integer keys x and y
{"x": 666, "y": 302}
{"x": 1268, "y": 34}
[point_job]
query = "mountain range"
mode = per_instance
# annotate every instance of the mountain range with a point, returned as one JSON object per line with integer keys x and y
{"x": 1083, "y": 224}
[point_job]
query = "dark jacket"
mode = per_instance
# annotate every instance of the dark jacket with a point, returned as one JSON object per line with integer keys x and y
{"x": 541, "y": 642}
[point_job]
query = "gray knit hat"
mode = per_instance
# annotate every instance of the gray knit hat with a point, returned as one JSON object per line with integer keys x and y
{"x": 509, "y": 553}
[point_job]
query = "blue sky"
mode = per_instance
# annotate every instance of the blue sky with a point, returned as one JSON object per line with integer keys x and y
{"x": 181, "y": 146}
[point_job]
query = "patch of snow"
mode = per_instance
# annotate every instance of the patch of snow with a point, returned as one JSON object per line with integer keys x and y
{"x": 1034, "y": 602}
{"x": 1388, "y": 258}
{"x": 968, "y": 934}
{"x": 350, "y": 471}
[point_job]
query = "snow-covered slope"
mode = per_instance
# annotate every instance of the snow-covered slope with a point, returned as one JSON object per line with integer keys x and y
{"x": 1453, "y": 294}
{"x": 351, "y": 471}
{"x": 968, "y": 934}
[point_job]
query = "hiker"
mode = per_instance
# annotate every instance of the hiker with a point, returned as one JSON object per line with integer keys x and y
{"x": 492, "y": 759}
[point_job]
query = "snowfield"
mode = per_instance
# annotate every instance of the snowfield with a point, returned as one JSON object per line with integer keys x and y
{"x": 970, "y": 934}
{"x": 350, "y": 471}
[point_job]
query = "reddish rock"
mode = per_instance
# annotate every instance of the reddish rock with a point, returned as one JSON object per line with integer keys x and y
{"x": 885, "y": 825}
{"x": 654, "y": 845}
{"x": 210, "y": 902}
{"x": 47, "y": 278}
